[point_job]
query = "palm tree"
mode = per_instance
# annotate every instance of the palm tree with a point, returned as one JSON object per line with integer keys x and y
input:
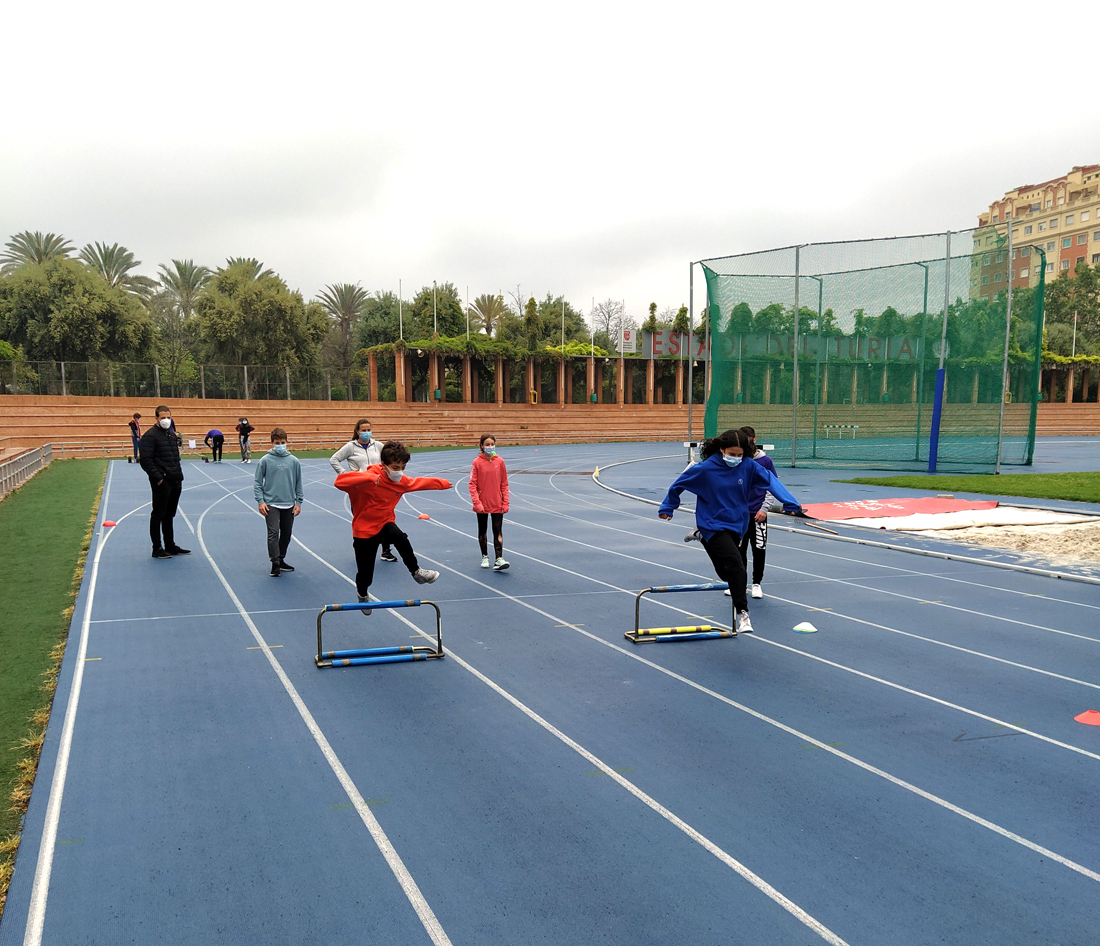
{"x": 184, "y": 281}
{"x": 252, "y": 267}
{"x": 114, "y": 263}
{"x": 27, "y": 247}
{"x": 489, "y": 311}
{"x": 344, "y": 304}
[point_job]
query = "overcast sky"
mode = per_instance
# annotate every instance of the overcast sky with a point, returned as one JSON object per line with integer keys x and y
{"x": 590, "y": 148}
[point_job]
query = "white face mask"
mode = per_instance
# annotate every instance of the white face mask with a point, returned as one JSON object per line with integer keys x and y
{"x": 394, "y": 475}
{"x": 165, "y": 422}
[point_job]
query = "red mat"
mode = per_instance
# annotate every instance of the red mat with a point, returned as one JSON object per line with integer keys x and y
{"x": 888, "y": 508}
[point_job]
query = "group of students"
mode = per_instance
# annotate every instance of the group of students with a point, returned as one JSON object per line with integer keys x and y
{"x": 374, "y": 480}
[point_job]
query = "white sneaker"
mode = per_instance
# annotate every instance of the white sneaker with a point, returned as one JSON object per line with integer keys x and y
{"x": 757, "y": 592}
{"x": 484, "y": 561}
{"x": 744, "y": 625}
{"x": 365, "y": 611}
{"x": 499, "y": 565}
{"x": 728, "y": 593}
{"x": 425, "y": 576}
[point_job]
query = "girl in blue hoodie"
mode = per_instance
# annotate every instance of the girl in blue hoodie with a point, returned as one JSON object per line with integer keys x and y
{"x": 723, "y": 483}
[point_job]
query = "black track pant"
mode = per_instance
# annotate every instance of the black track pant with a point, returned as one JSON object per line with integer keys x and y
{"x": 216, "y": 447}
{"x": 366, "y": 551}
{"x": 166, "y": 498}
{"x": 757, "y": 538}
{"x": 498, "y": 532}
{"x": 725, "y": 555}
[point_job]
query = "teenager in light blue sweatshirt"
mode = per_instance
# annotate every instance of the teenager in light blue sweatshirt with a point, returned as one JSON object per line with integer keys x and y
{"x": 723, "y": 484}
{"x": 278, "y": 490}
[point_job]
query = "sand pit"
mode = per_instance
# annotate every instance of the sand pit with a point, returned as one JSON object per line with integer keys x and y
{"x": 1077, "y": 544}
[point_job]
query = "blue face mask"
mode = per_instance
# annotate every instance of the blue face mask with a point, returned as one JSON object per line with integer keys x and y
{"x": 490, "y": 451}
{"x": 364, "y": 435}
{"x": 731, "y": 461}
{"x": 280, "y": 449}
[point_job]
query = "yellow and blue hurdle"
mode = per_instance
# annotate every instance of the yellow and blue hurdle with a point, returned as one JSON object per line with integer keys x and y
{"x": 693, "y": 632}
{"x": 378, "y": 655}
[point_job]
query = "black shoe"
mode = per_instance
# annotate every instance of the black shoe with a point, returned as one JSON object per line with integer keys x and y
{"x": 283, "y": 566}
{"x": 176, "y": 550}
{"x": 161, "y": 553}
{"x": 389, "y": 557}
{"x": 274, "y": 569}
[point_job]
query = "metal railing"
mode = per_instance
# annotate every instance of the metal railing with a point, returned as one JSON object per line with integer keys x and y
{"x": 16, "y": 471}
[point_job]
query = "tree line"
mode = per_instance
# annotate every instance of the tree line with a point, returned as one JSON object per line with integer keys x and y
{"x": 58, "y": 303}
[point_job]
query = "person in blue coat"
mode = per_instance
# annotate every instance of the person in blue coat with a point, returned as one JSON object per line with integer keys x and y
{"x": 724, "y": 483}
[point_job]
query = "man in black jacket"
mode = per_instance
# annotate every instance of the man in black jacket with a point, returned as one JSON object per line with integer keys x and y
{"x": 160, "y": 458}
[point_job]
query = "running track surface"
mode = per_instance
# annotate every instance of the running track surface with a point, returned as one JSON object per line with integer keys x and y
{"x": 910, "y": 774}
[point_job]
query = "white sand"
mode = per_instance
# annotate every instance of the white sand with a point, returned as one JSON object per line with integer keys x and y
{"x": 1059, "y": 544}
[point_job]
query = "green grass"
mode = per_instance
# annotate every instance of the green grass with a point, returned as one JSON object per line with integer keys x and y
{"x": 1076, "y": 487}
{"x": 45, "y": 527}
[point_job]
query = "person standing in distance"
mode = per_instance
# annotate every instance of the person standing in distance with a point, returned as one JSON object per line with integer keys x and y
{"x": 160, "y": 459}
{"x": 489, "y": 495}
{"x": 215, "y": 440}
{"x": 278, "y": 490}
{"x": 244, "y": 428}
{"x": 757, "y": 536}
{"x": 135, "y": 435}
{"x": 359, "y": 453}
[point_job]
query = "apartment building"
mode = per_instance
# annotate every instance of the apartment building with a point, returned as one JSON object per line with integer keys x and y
{"x": 1061, "y": 216}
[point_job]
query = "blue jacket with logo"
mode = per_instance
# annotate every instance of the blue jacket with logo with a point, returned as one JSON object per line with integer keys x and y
{"x": 724, "y": 492}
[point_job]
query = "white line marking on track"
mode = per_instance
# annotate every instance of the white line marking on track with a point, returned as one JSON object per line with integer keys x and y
{"x": 753, "y": 878}
{"x": 393, "y": 859}
{"x": 40, "y": 888}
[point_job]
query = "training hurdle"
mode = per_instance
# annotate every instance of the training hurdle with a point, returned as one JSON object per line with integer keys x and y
{"x": 378, "y": 655}
{"x": 697, "y": 632}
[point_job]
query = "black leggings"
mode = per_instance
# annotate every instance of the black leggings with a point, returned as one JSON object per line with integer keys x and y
{"x": 366, "y": 551}
{"x": 498, "y": 534}
{"x": 757, "y": 537}
{"x": 216, "y": 444}
{"x": 725, "y": 554}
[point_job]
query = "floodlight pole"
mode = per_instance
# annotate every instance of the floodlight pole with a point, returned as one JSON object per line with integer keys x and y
{"x": 817, "y": 359}
{"x": 941, "y": 375}
{"x": 467, "y": 313}
{"x": 400, "y": 313}
{"x": 923, "y": 341}
{"x": 563, "y": 326}
{"x": 435, "y": 311}
{"x": 1004, "y": 367}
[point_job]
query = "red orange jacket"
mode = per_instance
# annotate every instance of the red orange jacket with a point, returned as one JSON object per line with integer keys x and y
{"x": 489, "y": 484}
{"x": 374, "y": 496}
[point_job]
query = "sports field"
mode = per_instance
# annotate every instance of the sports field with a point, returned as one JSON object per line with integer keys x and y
{"x": 910, "y": 773}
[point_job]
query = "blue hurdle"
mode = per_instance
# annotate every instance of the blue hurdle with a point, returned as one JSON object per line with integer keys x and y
{"x": 695, "y": 632}
{"x": 378, "y": 655}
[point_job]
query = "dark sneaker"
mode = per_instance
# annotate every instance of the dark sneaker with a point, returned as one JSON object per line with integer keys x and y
{"x": 389, "y": 557}
{"x": 283, "y": 566}
{"x": 176, "y": 550}
{"x": 500, "y": 565}
{"x": 365, "y": 611}
{"x": 274, "y": 569}
{"x": 160, "y": 553}
{"x": 425, "y": 576}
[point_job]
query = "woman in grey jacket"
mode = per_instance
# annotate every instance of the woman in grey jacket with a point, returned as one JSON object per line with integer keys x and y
{"x": 359, "y": 453}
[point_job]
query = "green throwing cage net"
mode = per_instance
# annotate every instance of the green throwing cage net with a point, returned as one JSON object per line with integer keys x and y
{"x": 864, "y": 351}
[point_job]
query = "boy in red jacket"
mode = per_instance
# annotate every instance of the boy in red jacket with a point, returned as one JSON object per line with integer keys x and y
{"x": 374, "y": 494}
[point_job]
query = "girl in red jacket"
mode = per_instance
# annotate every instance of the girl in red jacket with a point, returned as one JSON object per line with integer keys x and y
{"x": 374, "y": 494}
{"x": 489, "y": 494}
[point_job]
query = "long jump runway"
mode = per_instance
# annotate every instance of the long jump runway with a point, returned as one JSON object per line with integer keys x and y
{"x": 910, "y": 774}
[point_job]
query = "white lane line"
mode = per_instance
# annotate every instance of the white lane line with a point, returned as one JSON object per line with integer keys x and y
{"x": 744, "y": 872}
{"x": 874, "y": 770}
{"x": 757, "y": 637}
{"x": 212, "y": 614}
{"x": 867, "y": 767}
{"x": 36, "y": 913}
{"x": 393, "y": 859}
{"x": 841, "y": 614}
